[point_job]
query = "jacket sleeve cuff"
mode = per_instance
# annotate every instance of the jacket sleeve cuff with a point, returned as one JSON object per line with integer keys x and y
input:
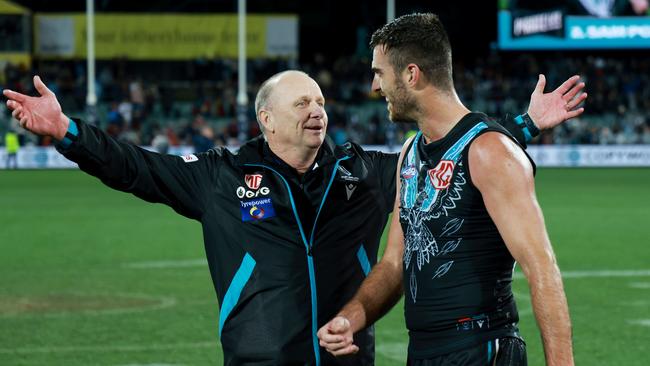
{"x": 71, "y": 135}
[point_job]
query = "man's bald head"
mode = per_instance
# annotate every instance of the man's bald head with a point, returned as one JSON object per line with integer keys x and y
{"x": 264, "y": 95}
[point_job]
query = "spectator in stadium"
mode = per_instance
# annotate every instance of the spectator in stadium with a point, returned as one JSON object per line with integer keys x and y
{"x": 160, "y": 141}
{"x": 291, "y": 222}
{"x": 458, "y": 229}
{"x": 12, "y": 145}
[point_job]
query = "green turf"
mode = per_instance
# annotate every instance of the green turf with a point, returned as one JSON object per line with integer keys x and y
{"x": 69, "y": 297}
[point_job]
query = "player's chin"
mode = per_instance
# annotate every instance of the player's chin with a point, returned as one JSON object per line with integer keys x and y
{"x": 397, "y": 118}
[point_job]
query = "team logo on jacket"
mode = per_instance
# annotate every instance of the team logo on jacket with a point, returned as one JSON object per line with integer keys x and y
{"x": 257, "y": 209}
{"x": 440, "y": 176}
{"x": 253, "y": 181}
{"x": 346, "y": 176}
{"x": 349, "y": 189}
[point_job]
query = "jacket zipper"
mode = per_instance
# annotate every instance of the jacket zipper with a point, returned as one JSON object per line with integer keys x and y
{"x": 309, "y": 245}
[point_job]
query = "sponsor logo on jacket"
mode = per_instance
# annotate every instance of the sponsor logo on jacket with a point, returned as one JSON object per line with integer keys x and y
{"x": 350, "y": 181}
{"x": 190, "y": 158}
{"x": 253, "y": 182}
{"x": 257, "y": 209}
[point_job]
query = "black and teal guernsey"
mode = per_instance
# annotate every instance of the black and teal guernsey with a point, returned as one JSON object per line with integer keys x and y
{"x": 457, "y": 269}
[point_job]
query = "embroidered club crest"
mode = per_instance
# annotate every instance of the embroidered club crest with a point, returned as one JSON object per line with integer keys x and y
{"x": 440, "y": 176}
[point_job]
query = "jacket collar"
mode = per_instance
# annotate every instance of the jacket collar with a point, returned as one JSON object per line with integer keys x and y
{"x": 257, "y": 151}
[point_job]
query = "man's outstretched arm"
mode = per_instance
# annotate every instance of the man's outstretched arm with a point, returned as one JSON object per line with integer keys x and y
{"x": 504, "y": 176}
{"x": 154, "y": 177}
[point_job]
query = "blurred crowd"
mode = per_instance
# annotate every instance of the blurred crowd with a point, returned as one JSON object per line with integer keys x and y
{"x": 194, "y": 103}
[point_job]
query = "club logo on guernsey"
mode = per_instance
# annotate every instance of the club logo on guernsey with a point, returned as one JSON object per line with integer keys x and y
{"x": 440, "y": 176}
{"x": 257, "y": 209}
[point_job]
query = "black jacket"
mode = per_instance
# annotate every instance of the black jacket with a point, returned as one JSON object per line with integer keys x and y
{"x": 285, "y": 252}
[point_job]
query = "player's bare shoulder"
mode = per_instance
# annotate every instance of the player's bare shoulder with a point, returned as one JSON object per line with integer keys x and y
{"x": 493, "y": 156}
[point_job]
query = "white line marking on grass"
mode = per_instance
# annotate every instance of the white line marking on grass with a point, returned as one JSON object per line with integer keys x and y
{"x": 152, "y": 364}
{"x": 185, "y": 263}
{"x": 636, "y": 303}
{"x": 642, "y": 322}
{"x": 641, "y": 285}
{"x": 601, "y": 273}
{"x": 115, "y": 348}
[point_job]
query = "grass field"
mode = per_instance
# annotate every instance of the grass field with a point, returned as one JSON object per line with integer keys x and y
{"x": 90, "y": 276}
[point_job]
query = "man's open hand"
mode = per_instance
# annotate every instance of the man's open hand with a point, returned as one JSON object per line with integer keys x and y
{"x": 39, "y": 115}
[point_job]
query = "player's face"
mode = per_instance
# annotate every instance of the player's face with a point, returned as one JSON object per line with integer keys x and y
{"x": 386, "y": 81}
{"x": 298, "y": 112}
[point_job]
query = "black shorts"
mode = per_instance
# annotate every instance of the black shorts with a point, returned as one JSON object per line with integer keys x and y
{"x": 507, "y": 351}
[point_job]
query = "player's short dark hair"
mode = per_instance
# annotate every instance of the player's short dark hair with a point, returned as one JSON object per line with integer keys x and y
{"x": 420, "y": 39}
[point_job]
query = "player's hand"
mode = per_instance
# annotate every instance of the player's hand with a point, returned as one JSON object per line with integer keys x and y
{"x": 336, "y": 337}
{"x": 548, "y": 110}
{"x": 39, "y": 115}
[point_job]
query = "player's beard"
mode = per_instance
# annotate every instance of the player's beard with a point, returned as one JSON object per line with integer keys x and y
{"x": 402, "y": 104}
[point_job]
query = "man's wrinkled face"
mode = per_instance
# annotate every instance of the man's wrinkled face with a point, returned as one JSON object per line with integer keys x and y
{"x": 296, "y": 113}
{"x": 389, "y": 83}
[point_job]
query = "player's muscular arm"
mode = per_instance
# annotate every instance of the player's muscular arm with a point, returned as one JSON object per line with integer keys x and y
{"x": 503, "y": 174}
{"x": 378, "y": 293}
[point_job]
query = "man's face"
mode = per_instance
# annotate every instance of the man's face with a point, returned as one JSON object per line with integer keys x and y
{"x": 297, "y": 113}
{"x": 389, "y": 83}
